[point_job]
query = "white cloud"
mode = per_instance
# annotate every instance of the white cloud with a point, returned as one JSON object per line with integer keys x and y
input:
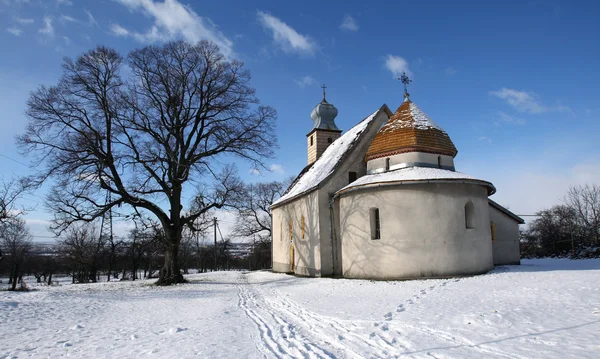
{"x": 287, "y": 38}
{"x": 66, "y": 18}
{"x": 48, "y": 29}
{"x": 91, "y": 19}
{"x": 66, "y": 40}
{"x": 450, "y": 71}
{"x": 397, "y": 65}
{"x": 305, "y": 81}
{"x": 254, "y": 171}
{"x": 14, "y": 31}
{"x": 175, "y": 20}
{"x": 526, "y": 101}
{"x": 349, "y": 24}
{"x": 276, "y": 168}
{"x": 24, "y": 21}
{"x": 508, "y": 119}
{"x": 118, "y": 30}
{"x": 64, "y": 2}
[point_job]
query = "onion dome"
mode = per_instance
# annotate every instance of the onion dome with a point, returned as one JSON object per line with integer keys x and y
{"x": 323, "y": 115}
{"x": 410, "y": 130}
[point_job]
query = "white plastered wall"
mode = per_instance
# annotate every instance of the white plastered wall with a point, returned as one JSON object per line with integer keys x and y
{"x": 506, "y": 246}
{"x": 423, "y": 232}
{"x": 307, "y": 250}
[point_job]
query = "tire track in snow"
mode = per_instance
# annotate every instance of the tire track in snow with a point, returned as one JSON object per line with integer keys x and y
{"x": 278, "y": 336}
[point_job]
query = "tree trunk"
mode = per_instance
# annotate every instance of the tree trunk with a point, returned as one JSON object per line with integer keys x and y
{"x": 15, "y": 277}
{"x": 170, "y": 272}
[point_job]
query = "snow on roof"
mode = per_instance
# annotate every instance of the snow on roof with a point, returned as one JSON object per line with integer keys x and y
{"x": 417, "y": 119}
{"x": 325, "y": 165}
{"x": 413, "y": 174}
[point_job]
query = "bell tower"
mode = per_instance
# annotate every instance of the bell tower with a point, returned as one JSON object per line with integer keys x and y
{"x": 324, "y": 130}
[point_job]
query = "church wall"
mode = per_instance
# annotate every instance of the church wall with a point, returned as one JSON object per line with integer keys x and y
{"x": 506, "y": 248}
{"x": 353, "y": 163}
{"x": 307, "y": 256}
{"x": 423, "y": 232}
{"x": 410, "y": 159}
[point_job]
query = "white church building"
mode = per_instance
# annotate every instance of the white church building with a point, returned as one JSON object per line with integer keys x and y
{"x": 384, "y": 201}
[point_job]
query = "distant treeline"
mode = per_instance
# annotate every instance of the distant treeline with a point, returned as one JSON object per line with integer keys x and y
{"x": 570, "y": 229}
{"x": 88, "y": 257}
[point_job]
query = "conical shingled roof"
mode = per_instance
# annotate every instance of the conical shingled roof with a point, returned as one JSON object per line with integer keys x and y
{"x": 410, "y": 130}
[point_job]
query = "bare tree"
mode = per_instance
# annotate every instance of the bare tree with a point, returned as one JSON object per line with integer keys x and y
{"x": 84, "y": 249}
{"x": 253, "y": 209}
{"x": 16, "y": 243}
{"x": 10, "y": 192}
{"x": 150, "y": 138}
{"x": 585, "y": 201}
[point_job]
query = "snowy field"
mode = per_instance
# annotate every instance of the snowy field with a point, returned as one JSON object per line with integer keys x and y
{"x": 542, "y": 309}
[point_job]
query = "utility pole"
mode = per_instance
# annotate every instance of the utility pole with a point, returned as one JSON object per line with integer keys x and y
{"x": 215, "y": 249}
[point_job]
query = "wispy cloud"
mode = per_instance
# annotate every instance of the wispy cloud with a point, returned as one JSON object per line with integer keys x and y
{"x": 349, "y": 24}
{"x": 175, "y": 20}
{"x": 450, "y": 71}
{"x": 118, "y": 30}
{"x": 254, "y": 171}
{"x": 91, "y": 19}
{"x": 66, "y": 18}
{"x": 504, "y": 118}
{"x": 526, "y": 101}
{"x": 48, "y": 29}
{"x": 64, "y": 2}
{"x": 305, "y": 81}
{"x": 285, "y": 36}
{"x": 397, "y": 65}
{"x": 276, "y": 168}
{"x": 485, "y": 139}
{"x": 24, "y": 21}
{"x": 15, "y": 31}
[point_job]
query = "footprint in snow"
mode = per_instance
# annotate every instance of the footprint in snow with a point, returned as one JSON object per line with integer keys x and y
{"x": 76, "y": 327}
{"x": 176, "y": 330}
{"x": 388, "y": 316}
{"x": 400, "y": 308}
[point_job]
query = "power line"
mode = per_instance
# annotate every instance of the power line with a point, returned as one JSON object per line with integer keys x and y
{"x": 12, "y": 159}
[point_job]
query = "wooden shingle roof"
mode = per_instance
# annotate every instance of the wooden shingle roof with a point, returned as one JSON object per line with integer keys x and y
{"x": 410, "y": 130}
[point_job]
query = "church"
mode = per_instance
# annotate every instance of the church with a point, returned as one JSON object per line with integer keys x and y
{"x": 383, "y": 201}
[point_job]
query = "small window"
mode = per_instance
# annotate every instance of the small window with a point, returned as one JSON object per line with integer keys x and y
{"x": 291, "y": 231}
{"x": 302, "y": 227}
{"x": 329, "y": 140}
{"x": 387, "y": 164}
{"x": 493, "y": 230}
{"x": 351, "y": 177}
{"x": 375, "y": 223}
{"x": 311, "y": 140}
{"x": 439, "y": 161}
{"x": 469, "y": 215}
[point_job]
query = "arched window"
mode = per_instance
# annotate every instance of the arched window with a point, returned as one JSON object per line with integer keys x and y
{"x": 302, "y": 225}
{"x": 375, "y": 223}
{"x": 439, "y": 161}
{"x": 387, "y": 164}
{"x": 311, "y": 140}
{"x": 469, "y": 215}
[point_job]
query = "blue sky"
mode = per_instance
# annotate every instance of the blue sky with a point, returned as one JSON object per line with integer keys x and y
{"x": 514, "y": 83}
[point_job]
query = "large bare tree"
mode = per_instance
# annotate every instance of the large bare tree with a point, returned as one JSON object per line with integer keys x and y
{"x": 152, "y": 133}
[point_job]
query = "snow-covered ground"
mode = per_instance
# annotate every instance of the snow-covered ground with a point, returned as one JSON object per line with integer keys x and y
{"x": 541, "y": 309}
